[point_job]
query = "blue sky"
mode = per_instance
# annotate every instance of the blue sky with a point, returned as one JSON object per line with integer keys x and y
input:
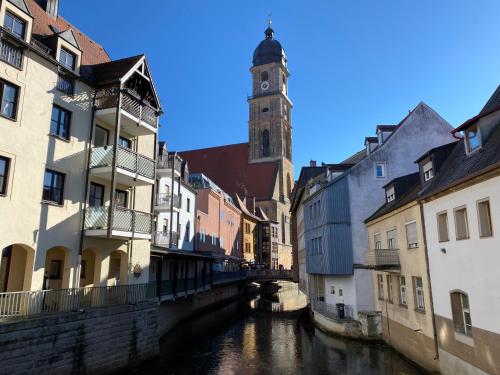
{"x": 354, "y": 64}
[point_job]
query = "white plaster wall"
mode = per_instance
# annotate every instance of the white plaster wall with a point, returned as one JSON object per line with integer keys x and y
{"x": 470, "y": 265}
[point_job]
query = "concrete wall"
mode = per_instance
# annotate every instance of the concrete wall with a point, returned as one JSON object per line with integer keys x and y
{"x": 95, "y": 341}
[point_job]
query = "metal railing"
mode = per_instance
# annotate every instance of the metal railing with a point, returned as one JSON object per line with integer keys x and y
{"x": 126, "y": 159}
{"x": 161, "y": 239}
{"x": 270, "y": 274}
{"x": 168, "y": 201}
{"x": 11, "y": 53}
{"x": 169, "y": 162}
{"x": 140, "y": 109}
{"x": 65, "y": 82}
{"x": 124, "y": 220}
{"x": 41, "y": 47}
{"x": 226, "y": 277}
{"x": 383, "y": 258}
{"x": 332, "y": 311}
{"x": 32, "y": 303}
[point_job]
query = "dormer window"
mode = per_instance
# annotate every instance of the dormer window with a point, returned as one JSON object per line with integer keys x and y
{"x": 390, "y": 194}
{"x": 67, "y": 59}
{"x": 472, "y": 138}
{"x": 15, "y": 25}
{"x": 428, "y": 171}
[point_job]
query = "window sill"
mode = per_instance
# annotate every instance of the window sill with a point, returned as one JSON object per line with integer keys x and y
{"x": 49, "y": 203}
{"x": 420, "y": 311}
{"x": 403, "y": 306}
{"x": 3, "y": 194}
{"x": 463, "y": 239}
{"x": 59, "y": 138}
{"x": 8, "y": 118}
{"x": 412, "y": 248}
{"x": 464, "y": 339}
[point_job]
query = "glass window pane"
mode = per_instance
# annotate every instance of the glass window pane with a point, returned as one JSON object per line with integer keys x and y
{"x": 101, "y": 137}
{"x": 485, "y": 229}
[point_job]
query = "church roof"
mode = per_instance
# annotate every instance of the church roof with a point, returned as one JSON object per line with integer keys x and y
{"x": 228, "y": 167}
{"x": 269, "y": 50}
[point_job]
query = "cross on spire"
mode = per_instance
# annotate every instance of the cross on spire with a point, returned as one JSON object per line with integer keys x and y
{"x": 269, "y": 20}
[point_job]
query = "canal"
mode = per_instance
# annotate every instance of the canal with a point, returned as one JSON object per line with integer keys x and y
{"x": 256, "y": 336}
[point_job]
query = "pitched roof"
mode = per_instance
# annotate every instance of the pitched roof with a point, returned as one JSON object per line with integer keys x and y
{"x": 228, "y": 167}
{"x": 92, "y": 53}
{"x": 356, "y": 158}
{"x": 387, "y": 128}
{"x": 460, "y": 167}
{"x": 110, "y": 71}
{"x": 493, "y": 102}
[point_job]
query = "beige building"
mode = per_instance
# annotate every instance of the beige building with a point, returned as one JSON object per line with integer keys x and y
{"x": 77, "y": 149}
{"x": 401, "y": 288}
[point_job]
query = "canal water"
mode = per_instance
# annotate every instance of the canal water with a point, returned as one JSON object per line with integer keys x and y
{"x": 261, "y": 335}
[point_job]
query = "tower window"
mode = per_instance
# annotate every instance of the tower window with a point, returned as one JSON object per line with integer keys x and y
{"x": 264, "y": 76}
{"x": 265, "y": 109}
{"x": 265, "y": 143}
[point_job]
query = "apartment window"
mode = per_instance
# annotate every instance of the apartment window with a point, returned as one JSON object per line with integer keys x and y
{"x": 461, "y": 223}
{"x": 484, "y": 217}
{"x": 442, "y": 223}
{"x": 390, "y": 194}
{"x": 67, "y": 59}
{"x": 247, "y": 228}
{"x": 461, "y": 313}
{"x": 9, "y": 100}
{"x": 53, "y": 186}
{"x": 96, "y": 195}
{"x": 391, "y": 239}
{"x": 403, "y": 298}
{"x": 124, "y": 142}
{"x": 332, "y": 289}
{"x": 378, "y": 241}
{"x": 15, "y": 25}
{"x": 4, "y": 174}
{"x": 389, "y": 288}
{"x": 247, "y": 247}
{"x": 121, "y": 198}
{"x": 472, "y": 138}
{"x": 428, "y": 171}
{"x": 55, "y": 269}
{"x": 59, "y": 123}
{"x": 188, "y": 205}
{"x": 83, "y": 266}
{"x": 380, "y": 170}
{"x": 419, "y": 293}
{"x": 411, "y": 235}
{"x": 101, "y": 137}
{"x": 380, "y": 284}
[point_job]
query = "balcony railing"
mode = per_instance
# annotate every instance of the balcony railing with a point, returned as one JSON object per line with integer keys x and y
{"x": 124, "y": 220}
{"x": 168, "y": 201}
{"x": 169, "y": 162}
{"x": 126, "y": 159}
{"x": 108, "y": 98}
{"x": 65, "y": 82}
{"x": 41, "y": 47}
{"x": 10, "y": 52}
{"x": 383, "y": 258}
{"x": 163, "y": 238}
{"x": 32, "y": 303}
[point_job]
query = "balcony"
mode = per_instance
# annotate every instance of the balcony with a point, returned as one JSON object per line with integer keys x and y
{"x": 168, "y": 163}
{"x": 383, "y": 259}
{"x": 10, "y": 51}
{"x": 66, "y": 82}
{"x": 132, "y": 169}
{"x": 137, "y": 117}
{"x": 166, "y": 202}
{"x": 126, "y": 223}
{"x": 162, "y": 239}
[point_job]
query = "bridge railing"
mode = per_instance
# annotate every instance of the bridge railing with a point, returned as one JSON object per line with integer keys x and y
{"x": 270, "y": 274}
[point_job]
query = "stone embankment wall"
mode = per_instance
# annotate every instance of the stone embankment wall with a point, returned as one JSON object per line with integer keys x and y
{"x": 95, "y": 341}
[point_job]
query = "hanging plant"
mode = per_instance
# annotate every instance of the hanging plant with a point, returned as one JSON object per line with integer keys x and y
{"x": 137, "y": 270}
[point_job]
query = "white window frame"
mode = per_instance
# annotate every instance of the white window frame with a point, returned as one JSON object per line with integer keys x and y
{"x": 419, "y": 294}
{"x": 390, "y": 194}
{"x": 384, "y": 170}
{"x": 428, "y": 170}
{"x": 378, "y": 244}
{"x": 412, "y": 245}
{"x": 467, "y": 141}
{"x": 403, "y": 292}
{"x": 392, "y": 244}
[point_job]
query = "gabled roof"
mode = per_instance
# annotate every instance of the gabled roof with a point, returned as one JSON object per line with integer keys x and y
{"x": 356, "y": 158}
{"x": 387, "y": 128}
{"x": 460, "y": 167}
{"x": 110, "y": 71}
{"x": 306, "y": 173}
{"x": 493, "y": 102}
{"x": 371, "y": 139}
{"x": 69, "y": 37}
{"x": 21, "y": 5}
{"x": 92, "y": 52}
{"x": 228, "y": 167}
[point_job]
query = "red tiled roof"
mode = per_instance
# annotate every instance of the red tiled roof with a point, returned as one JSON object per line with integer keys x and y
{"x": 228, "y": 167}
{"x": 92, "y": 53}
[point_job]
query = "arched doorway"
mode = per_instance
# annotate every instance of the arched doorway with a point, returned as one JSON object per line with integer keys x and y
{"x": 16, "y": 268}
{"x": 57, "y": 268}
{"x": 88, "y": 269}
{"x": 117, "y": 274}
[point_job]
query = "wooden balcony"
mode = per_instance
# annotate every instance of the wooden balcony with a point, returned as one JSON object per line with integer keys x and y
{"x": 126, "y": 223}
{"x": 132, "y": 169}
{"x": 137, "y": 116}
{"x": 383, "y": 259}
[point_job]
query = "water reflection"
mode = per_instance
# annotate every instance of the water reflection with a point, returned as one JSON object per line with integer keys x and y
{"x": 236, "y": 339}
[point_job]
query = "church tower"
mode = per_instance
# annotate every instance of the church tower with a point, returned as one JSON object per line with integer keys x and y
{"x": 270, "y": 131}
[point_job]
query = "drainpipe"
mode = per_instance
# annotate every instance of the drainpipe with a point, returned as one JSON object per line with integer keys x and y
{"x": 115, "y": 160}
{"x": 76, "y": 283}
{"x": 436, "y": 344}
{"x": 171, "y": 200}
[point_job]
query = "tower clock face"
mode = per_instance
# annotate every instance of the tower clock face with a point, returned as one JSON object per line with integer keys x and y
{"x": 264, "y": 85}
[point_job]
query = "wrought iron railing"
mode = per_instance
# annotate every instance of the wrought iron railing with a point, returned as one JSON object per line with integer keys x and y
{"x": 65, "y": 82}
{"x": 124, "y": 220}
{"x": 383, "y": 258}
{"x": 126, "y": 159}
{"x": 140, "y": 109}
{"x": 336, "y": 312}
{"x": 32, "y": 303}
{"x": 169, "y": 162}
{"x": 10, "y": 52}
{"x": 41, "y": 47}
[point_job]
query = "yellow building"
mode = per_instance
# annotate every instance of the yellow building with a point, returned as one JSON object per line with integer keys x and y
{"x": 250, "y": 242}
{"x": 401, "y": 287}
{"x": 77, "y": 148}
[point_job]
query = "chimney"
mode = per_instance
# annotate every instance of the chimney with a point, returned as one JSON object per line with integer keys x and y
{"x": 312, "y": 163}
{"x": 50, "y": 6}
